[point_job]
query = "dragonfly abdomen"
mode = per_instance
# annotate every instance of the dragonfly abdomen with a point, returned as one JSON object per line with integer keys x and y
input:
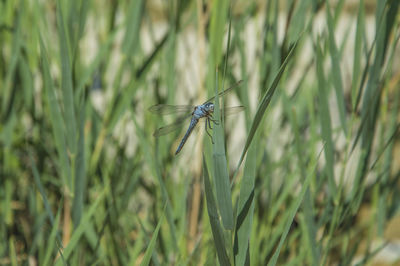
{"x": 192, "y": 125}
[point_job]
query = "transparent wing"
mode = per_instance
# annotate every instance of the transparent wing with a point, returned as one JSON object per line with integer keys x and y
{"x": 166, "y": 109}
{"x": 222, "y": 93}
{"x": 233, "y": 110}
{"x": 171, "y": 127}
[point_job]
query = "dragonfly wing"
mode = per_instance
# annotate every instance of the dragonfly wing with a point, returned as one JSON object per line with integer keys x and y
{"x": 166, "y": 109}
{"x": 171, "y": 127}
{"x": 222, "y": 93}
{"x": 233, "y": 110}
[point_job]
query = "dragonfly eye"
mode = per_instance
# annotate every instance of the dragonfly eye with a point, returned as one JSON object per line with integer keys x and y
{"x": 210, "y": 106}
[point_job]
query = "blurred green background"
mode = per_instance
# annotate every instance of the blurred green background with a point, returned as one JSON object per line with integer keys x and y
{"x": 308, "y": 174}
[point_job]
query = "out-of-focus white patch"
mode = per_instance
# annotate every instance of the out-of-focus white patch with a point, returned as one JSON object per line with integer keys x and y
{"x": 387, "y": 255}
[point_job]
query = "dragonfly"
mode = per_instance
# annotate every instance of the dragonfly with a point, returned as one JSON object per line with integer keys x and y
{"x": 204, "y": 110}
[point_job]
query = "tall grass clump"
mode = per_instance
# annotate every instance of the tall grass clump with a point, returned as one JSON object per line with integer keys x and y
{"x": 308, "y": 174}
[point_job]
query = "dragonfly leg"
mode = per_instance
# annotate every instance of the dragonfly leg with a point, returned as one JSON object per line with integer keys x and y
{"x": 208, "y": 133}
{"x": 213, "y": 120}
{"x": 209, "y": 123}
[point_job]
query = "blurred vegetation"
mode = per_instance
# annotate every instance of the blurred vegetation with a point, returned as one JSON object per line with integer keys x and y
{"x": 308, "y": 175}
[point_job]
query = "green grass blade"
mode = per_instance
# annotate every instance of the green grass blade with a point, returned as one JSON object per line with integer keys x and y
{"x": 170, "y": 65}
{"x": 325, "y": 119}
{"x": 221, "y": 175}
{"x": 83, "y": 14}
{"x": 243, "y": 94}
{"x": 120, "y": 101}
{"x": 308, "y": 206}
{"x": 55, "y": 117}
{"x": 216, "y": 228}
{"x": 244, "y": 219}
{"x": 298, "y": 22}
{"x": 117, "y": 58}
{"x": 42, "y": 191}
{"x": 152, "y": 161}
{"x": 46, "y": 204}
{"x": 12, "y": 253}
{"x": 151, "y": 59}
{"x": 263, "y": 106}
{"x": 219, "y": 14}
{"x": 336, "y": 75}
{"x": 66, "y": 83}
{"x": 52, "y": 240}
{"x": 371, "y": 102}
{"x": 6, "y": 133}
{"x": 87, "y": 75}
{"x": 357, "y": 53}
{"x": 133, "y": 21}
{"x": 10, "y": 70}
{"x": 124, "y": 98}
{"x": 292, "y": 212}
{"x": 146, "y": 240}
{"x": 152, "y": 244}
{"x": 83, "y": 225}
{"x": 80, "y": 173}
{"x": 27, "y": 82}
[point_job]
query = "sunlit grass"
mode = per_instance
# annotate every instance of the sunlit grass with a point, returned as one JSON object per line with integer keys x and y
{"x": 313, "y": 180}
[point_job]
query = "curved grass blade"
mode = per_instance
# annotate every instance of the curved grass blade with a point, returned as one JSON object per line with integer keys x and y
{"x": 222, "y": 93}
{"x": 171, "y": 127}
{"x": 263, "y": 106}
{"x": 293, "y": 210}
{"x": 150, "y": 248}
{"x": 166, "y": 109}
{"x": 83, "y": 225}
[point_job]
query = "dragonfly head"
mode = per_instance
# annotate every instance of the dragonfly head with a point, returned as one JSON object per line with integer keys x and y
{"x": 209, "y": 107}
